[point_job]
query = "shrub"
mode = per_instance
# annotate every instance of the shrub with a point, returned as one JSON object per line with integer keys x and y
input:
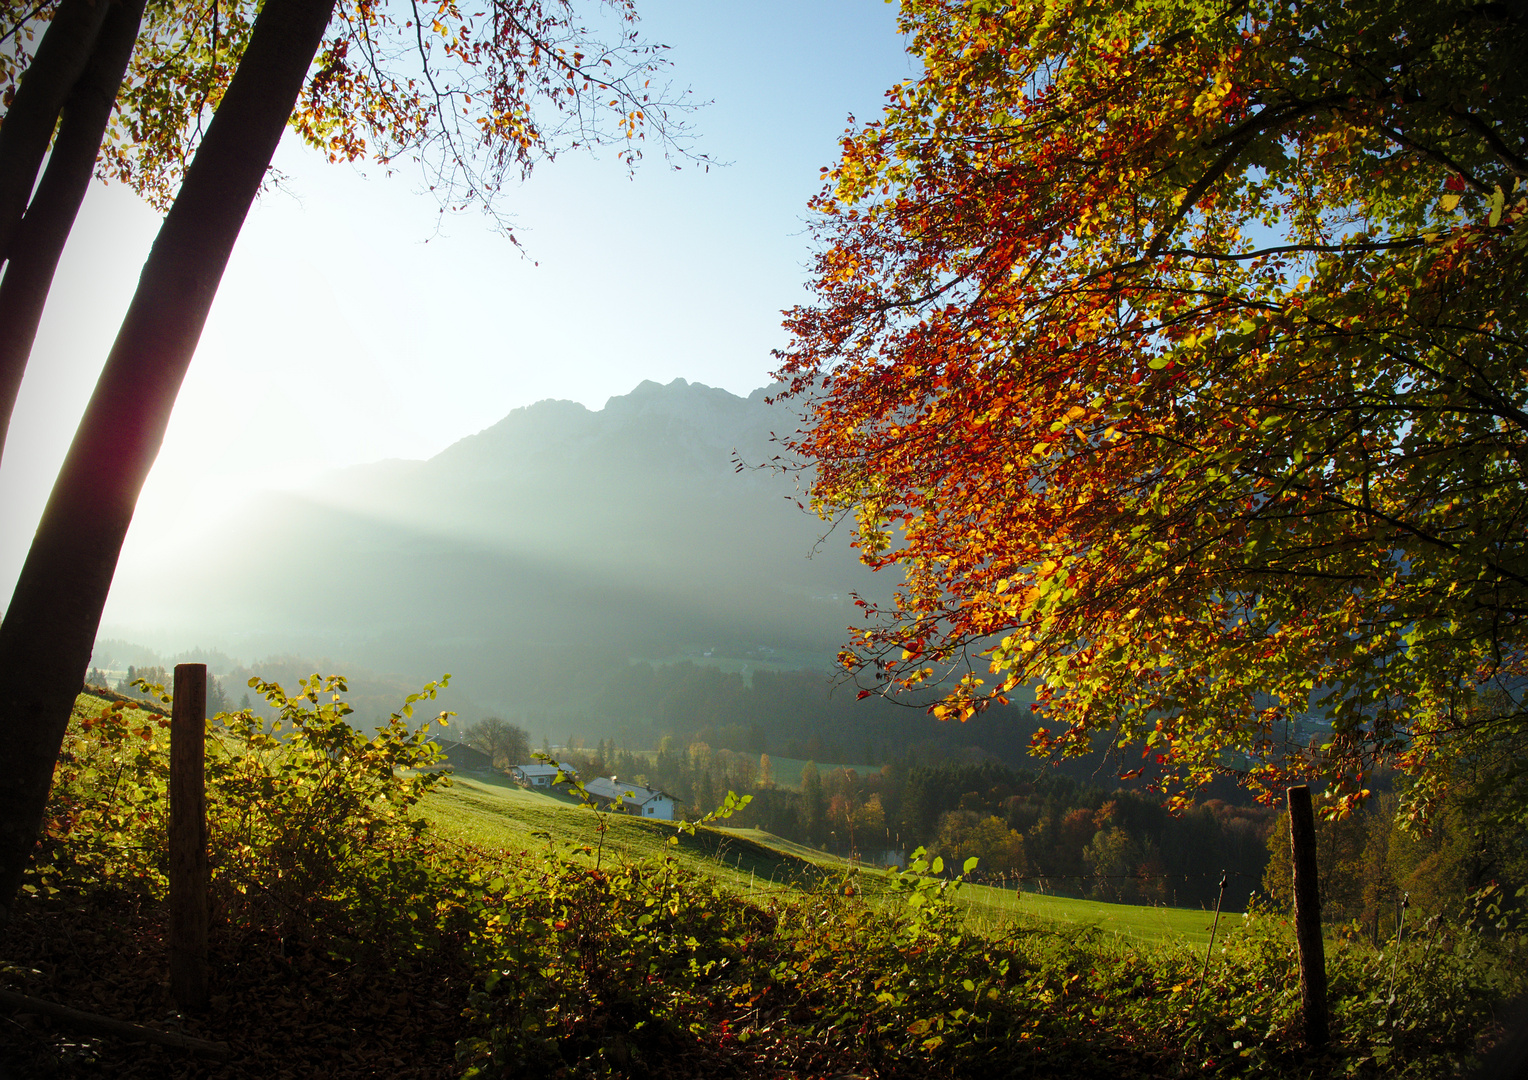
{"x": 589, "y": 965}
{"x": 310, "y": 827}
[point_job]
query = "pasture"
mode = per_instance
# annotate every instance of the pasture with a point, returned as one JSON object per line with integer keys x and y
{"x": 498, "y": 815}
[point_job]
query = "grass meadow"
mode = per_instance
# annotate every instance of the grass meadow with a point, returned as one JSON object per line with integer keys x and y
{"x": 499, "y": 815}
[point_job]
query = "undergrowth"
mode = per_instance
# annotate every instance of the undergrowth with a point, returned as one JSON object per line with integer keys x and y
{"x": 611, "y": 973}
{"x": 645, "y": 968}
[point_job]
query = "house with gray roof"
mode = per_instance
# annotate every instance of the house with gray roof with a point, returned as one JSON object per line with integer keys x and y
{"x": 631, "y": 798}
{"x": 541, "y": 776}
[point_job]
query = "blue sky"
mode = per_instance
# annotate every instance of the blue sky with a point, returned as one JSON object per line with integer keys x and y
{"x": 348, "y": 329}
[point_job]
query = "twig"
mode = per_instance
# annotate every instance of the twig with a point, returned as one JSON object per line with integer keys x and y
{"x": 105, "y": 1025}
{"x": 1213, "y": 927}
{"x": 1395, "y": 955}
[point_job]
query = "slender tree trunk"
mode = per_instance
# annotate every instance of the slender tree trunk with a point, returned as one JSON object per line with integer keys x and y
{"x": 1305, "y": 884}
{"x": 33, "y": 114}
{"x": 45, "y": 228}
{"x": 49, "y": 629}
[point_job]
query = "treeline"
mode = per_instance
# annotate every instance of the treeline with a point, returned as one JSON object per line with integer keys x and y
{"x": 800, "y": 714}
{"x": 1044, "y": 830}
{"x": 158, "y": 675}
{"x": 1376, "y": 873}
{"x": 373, "y": 695}
{"x": 1036, "y": 829}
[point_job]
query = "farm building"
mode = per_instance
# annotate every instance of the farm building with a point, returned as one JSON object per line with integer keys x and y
{"x": 459, "y": 757}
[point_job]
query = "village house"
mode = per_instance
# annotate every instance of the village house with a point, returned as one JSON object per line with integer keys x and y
{"x": 631, "y": 798}
{"x": 540, "y": 776}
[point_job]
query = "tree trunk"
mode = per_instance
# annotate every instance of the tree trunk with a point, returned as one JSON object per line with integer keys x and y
{"x": 1307, "y": 895}
{"x": 45, "y": 228}
{"x": 49, "y": 629}
{"x": 33, "y": 114}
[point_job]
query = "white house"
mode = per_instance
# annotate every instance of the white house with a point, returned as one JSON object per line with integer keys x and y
{"x": 539, "y": 775}
{"x": 632, "y": 798}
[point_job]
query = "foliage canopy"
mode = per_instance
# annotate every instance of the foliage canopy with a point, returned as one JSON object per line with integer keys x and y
{"x": 473, "y": 96}
{"x": 1175, "y": 352}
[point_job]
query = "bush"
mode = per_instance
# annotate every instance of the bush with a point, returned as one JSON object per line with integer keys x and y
{"x": 311, "y": 824}
{"x": 108, "y": 809}
{"x": 624, "y": 974}
{"x": 591, "y": 968}
{"x": 310, "y": 827}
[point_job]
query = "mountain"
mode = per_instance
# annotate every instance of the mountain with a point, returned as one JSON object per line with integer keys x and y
{"x": 555, "y": 543}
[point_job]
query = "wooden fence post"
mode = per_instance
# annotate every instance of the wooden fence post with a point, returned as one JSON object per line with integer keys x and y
{"x": 188, "y": 838}
{"x": 1302, "y": 843}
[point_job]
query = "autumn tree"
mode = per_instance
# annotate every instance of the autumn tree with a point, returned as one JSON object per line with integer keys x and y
{"x": 496, "y": 91}
{"x": 963, "y": 834}
{"x": 503, "y": 742}
{"x": 37, "y": 228}
{"x": 814, "y": 808}
{"x": 37, "y": 83}
{"x": 1175, "y": 353}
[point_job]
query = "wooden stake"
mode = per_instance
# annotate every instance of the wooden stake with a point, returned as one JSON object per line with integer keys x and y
{"x": 1302, "y": 843}
{"x": 188, "y": 838}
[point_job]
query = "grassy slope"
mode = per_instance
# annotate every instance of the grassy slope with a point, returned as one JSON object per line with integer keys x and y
{"x": 499, "y": 815}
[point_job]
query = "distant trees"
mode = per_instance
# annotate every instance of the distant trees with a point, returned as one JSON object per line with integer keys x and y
{"x": 1040, "y": 829}
{"x": 867, "y": 825}
{"x": 1372, "y": 859}
{"x": 154, "y": 674}
{"x": 964, "y": 834}
{"x": 505, "y": 743}
{"x": 1042, "y": 826}
{"x": 814, "y": 809}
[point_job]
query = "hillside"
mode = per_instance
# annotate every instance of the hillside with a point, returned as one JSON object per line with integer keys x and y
{"x": 757, "y": 864}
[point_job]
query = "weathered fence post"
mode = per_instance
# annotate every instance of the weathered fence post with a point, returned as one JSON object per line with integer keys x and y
{"x": 1302, "y": 843}
{"x": 188, "y": 838}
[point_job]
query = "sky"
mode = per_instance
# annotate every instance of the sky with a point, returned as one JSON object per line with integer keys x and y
{"x": 353, "y": 325}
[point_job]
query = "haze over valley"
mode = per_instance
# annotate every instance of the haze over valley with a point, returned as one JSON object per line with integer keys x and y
{"x": 528, "y": 560}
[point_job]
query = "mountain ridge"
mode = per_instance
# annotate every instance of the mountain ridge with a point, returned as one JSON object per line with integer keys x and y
{"x": 556, "y": 538}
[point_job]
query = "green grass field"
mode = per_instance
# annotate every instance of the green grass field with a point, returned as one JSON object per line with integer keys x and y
{"x": 498, "y": 815}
